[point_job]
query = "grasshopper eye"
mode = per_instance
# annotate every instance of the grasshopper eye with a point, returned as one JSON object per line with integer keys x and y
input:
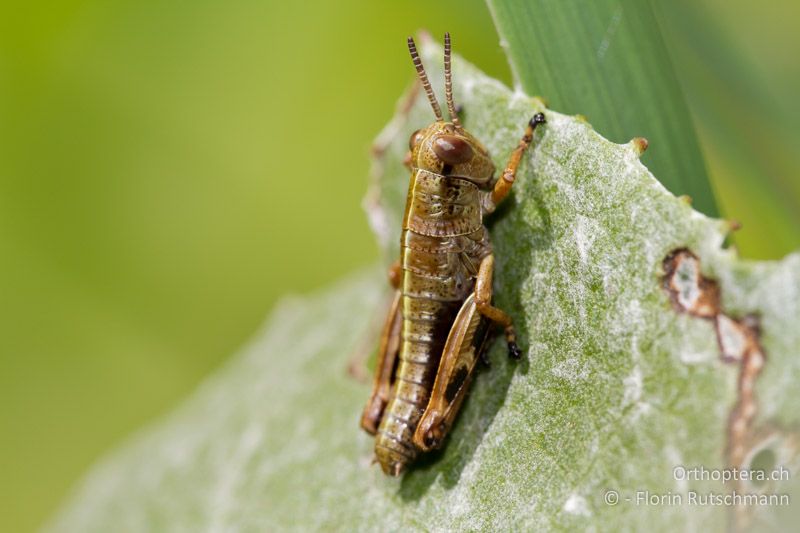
{"x": 452, "y": 150}
{"x": 415, "y": 139}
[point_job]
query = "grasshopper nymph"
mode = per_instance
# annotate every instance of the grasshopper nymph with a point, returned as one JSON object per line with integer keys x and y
{"x": 442, "y": 310}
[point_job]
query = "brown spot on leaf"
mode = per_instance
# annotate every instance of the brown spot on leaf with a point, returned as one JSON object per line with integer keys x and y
{"x": 751, "y": 363}
{"x": 689, "y": 290}
{"x": 739, "y": 342}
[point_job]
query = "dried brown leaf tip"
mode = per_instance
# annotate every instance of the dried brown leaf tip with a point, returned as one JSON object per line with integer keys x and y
{"x": 734, "y": 225}
{"x": 639, "y": 144}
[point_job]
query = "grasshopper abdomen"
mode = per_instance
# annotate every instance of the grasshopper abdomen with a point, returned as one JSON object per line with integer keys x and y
{"x": 434, "y": 285}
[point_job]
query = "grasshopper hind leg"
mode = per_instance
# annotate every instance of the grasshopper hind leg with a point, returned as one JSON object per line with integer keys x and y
{"x": 465, "y": 346}
{"x": 385, "y": 369}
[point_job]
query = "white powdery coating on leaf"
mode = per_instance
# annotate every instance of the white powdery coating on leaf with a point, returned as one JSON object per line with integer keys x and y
{"x": 576, "y": 504}
{"x": 585, "y": 232}
{"x": 697, "y": 358}
{"x": 633, "y": 386}
{"x": 572, "y": 370}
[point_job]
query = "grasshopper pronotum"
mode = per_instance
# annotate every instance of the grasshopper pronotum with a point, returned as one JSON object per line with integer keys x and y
{"x": 439, "y": 320}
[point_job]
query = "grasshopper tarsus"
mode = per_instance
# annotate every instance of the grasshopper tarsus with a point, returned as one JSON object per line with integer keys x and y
{"x": 513, "y": 351}
{"x": 537, "y": 119}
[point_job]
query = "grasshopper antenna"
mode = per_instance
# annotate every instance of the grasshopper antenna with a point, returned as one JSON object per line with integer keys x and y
{"x": 424, "y": 79}
{"x": 448, "y": 82}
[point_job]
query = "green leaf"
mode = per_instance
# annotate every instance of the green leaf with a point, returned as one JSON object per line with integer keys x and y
{"x": 615, "y": 390}
{"x": 606, "y": 60}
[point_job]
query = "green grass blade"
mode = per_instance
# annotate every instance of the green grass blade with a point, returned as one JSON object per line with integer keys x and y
{"x": 606, "y": 60}
{"x": 747, "y": 136}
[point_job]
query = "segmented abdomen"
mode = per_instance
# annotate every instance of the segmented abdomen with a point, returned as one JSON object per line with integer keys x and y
{"x": 438, "y": 274}
{"x": 426, "y": 324}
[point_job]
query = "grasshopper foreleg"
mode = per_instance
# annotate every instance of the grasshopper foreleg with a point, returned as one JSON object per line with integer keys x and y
{"x": 503, "y": 185}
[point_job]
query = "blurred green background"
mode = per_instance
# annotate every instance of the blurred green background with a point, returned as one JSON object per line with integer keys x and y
{"x": 169, "y": 169}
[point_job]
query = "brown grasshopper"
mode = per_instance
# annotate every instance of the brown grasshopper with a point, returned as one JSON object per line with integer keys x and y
{"x": 438, "y": 323}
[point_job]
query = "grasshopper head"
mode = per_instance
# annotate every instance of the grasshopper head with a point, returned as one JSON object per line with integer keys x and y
{"x": 450, "y": 150}
{"x": 446, "y": 147}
